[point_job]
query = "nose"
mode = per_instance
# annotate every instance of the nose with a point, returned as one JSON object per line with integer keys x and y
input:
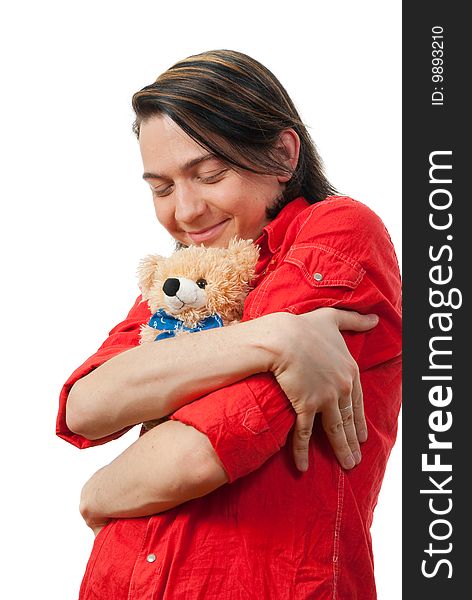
{"x": 171, "y": 286}
{"x": 188, "y": 206}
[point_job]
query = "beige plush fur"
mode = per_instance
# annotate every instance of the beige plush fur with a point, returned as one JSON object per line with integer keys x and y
{"x": 227, "y": 274}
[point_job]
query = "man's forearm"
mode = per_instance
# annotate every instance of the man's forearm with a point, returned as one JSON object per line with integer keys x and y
{"x": 155, "y": 379}
{"x": 167, "y": 466}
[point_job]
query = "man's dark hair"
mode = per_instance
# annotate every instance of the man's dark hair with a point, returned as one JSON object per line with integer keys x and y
{"x": 235, "y": 108}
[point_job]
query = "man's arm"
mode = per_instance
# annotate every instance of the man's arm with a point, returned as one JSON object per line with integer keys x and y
{"x": 155, "y": 379}
{"x": 226, "y": 436}
{"x": 167, "y": 466}
{"x": 249, "y": 422}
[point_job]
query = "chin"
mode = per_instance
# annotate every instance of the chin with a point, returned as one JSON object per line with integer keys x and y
{"x": 216, "y": 244}
{"x": 222, "y": 241}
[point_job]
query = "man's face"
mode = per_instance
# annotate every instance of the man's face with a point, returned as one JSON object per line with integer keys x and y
{"x": 197, "y": 198}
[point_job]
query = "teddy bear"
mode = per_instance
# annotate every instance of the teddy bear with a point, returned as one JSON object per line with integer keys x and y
{"x": 196, "y": 288}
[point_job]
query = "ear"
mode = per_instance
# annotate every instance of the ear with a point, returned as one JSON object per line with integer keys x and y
{"x": 244, "y": 254}
{"x": 146, "y": 273}
{"x": 288, "y": 147}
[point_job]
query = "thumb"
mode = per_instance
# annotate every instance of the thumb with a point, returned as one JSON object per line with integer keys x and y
{"x": 354, "y": 321}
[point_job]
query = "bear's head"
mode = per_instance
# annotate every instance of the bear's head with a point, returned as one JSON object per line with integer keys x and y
{"x": 196, "y": 282}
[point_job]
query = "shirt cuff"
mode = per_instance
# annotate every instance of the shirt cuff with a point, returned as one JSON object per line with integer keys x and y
{"x": 122, "y": 337}
{"x": 246, "y": 422}
{"x": 62, "y": 430}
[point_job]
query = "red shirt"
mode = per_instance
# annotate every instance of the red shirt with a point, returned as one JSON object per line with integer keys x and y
{"x": 272, "y": 532}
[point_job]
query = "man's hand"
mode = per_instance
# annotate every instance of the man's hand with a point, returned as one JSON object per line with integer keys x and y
{"x": 318, "y": 374}
{"x": 96, "y": 530}
{"x": 96, "y": 522}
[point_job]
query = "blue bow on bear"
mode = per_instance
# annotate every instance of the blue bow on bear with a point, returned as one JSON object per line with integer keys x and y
{"x": 168, "y": 324}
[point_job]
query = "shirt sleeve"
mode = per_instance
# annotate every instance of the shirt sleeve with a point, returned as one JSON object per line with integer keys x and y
{"x": 336, "y": 253}
{"x": 122, "y": 337}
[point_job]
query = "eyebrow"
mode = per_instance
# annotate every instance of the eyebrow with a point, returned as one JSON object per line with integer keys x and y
{"x": 188, "y": 165}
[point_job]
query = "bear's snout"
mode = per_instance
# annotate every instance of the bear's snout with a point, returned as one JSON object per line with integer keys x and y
{"x": 171, "y": 286}
{"x": 181, "y": 293}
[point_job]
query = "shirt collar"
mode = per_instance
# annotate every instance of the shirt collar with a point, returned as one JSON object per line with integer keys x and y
{"x": 273, "y": 233}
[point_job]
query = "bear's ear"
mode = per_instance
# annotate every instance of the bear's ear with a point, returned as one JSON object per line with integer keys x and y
{"x": 146, "y": 273}
{"x": 244, "y": 254}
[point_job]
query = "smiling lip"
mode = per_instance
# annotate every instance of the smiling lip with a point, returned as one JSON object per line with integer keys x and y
{"x": 206, "y": 234}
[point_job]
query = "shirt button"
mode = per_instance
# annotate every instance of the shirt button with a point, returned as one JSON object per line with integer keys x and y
{"x": 318, "y": 276}
{"x": 151, "y": 558}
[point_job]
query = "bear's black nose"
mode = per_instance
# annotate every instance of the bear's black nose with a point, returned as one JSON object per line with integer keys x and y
{"x": 171, "y": 286}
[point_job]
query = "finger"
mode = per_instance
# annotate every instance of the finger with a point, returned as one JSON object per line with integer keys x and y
{"x": 301, "y": 439}
{"x": 358, "y": 408}
{"x": 347, "y": 416}
{"x": 96, "y": 530}
{"x": 334, "y": 427}
{"x": 354, "y": 321}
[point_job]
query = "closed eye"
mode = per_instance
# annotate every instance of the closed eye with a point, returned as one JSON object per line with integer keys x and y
{"x": 161, "y": 191}
{"x": 209, "y": 179}
{"x": 214, "y": 178}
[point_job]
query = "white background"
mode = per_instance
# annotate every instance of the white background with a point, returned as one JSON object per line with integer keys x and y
{"x": 76, "y": 216}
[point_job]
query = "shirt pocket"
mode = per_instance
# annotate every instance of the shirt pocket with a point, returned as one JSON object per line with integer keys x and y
{"x": 309, "y": 276}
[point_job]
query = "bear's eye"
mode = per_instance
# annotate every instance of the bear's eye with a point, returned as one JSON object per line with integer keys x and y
{"x": 201, "y": 283}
